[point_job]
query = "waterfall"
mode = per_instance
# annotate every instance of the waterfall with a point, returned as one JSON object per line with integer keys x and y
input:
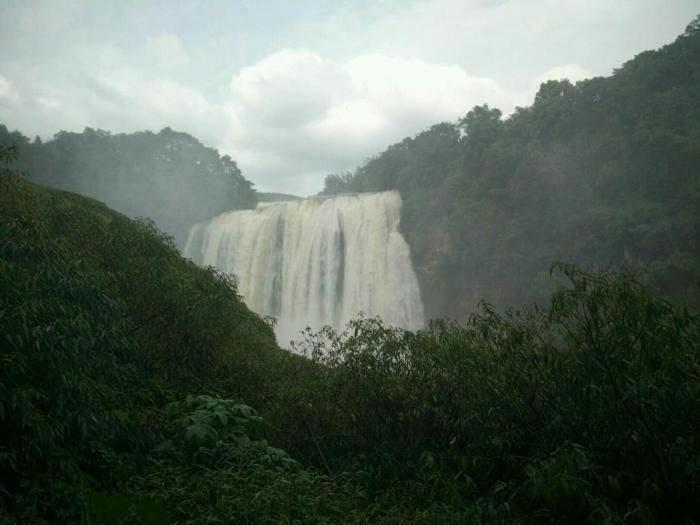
{"x": 315, "y": 262}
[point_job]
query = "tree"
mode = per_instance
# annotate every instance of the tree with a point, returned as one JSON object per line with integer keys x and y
{"x": 482, "y": 125}
{"x": 692, "y": 28}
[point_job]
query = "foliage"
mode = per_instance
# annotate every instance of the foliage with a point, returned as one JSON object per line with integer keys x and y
{"x": 8, "y": 155}
{"x": 576, "y": 413}
{"x": 216, "y": 466}
{"x": 203, "y": 421}
{"x": 115, "y": 509}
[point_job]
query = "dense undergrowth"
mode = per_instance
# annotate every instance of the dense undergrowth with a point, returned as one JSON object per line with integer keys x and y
{"x": 137, "y": 388}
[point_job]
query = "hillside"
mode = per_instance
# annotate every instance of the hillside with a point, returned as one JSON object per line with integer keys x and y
{"x": 130, "y": 379}
{"x": 103, "y": 325}
{"x": 602, "y": 173}
{"x": 169, "y": 176}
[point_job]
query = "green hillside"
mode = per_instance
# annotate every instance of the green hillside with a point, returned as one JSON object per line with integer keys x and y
{"x": 103, "y": 325}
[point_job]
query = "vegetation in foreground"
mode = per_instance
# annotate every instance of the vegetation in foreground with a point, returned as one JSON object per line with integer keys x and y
{"x": 137, "y": 388}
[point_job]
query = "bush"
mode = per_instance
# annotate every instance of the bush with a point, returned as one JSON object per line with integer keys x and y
{"x": 574, "y": 411}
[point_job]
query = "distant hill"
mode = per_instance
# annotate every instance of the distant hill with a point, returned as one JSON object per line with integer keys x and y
{"x": 598, "y": 173}
{"x": 167, "y": 176}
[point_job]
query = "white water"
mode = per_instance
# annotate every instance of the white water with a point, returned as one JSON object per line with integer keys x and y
{"x": 315, "y": 262}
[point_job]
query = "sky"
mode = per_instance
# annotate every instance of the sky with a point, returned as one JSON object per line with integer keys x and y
{"x": 296, "y": 90}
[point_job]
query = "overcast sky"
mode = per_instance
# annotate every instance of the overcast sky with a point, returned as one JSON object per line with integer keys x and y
{"x": 294, "y": 90}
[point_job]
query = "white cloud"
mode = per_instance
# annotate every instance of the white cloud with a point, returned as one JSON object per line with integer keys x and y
{"x": 133, "y": 103}
{"x": 165, "y": 50}
{"x": 288, "y": 88}
{"x": 119, "y": 100}
{"x": 511, "y": 41}
{"x": 48, "y": 104}
{"x": 410, "y": 89}
{"x": 8, "y": 93}
{"x": 294, "y": 113}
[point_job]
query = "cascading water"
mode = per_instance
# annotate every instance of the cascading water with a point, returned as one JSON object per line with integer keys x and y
{"x": 315, "y": 262}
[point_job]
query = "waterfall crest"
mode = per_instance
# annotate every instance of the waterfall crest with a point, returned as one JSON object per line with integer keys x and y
{"x": 315, "y": 262}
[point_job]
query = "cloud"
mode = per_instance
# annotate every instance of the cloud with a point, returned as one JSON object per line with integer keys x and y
{"x": 119, "y": 100}
{"x": 288, "y": 88}
{"x": 511, "y": 41}
{"x": 413, "y": 90}
{"x": 165, "y": 50}
{"x": 132, "y": 102}
{"x": 8, "y": 93}
{"x": 295, "y": 113}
